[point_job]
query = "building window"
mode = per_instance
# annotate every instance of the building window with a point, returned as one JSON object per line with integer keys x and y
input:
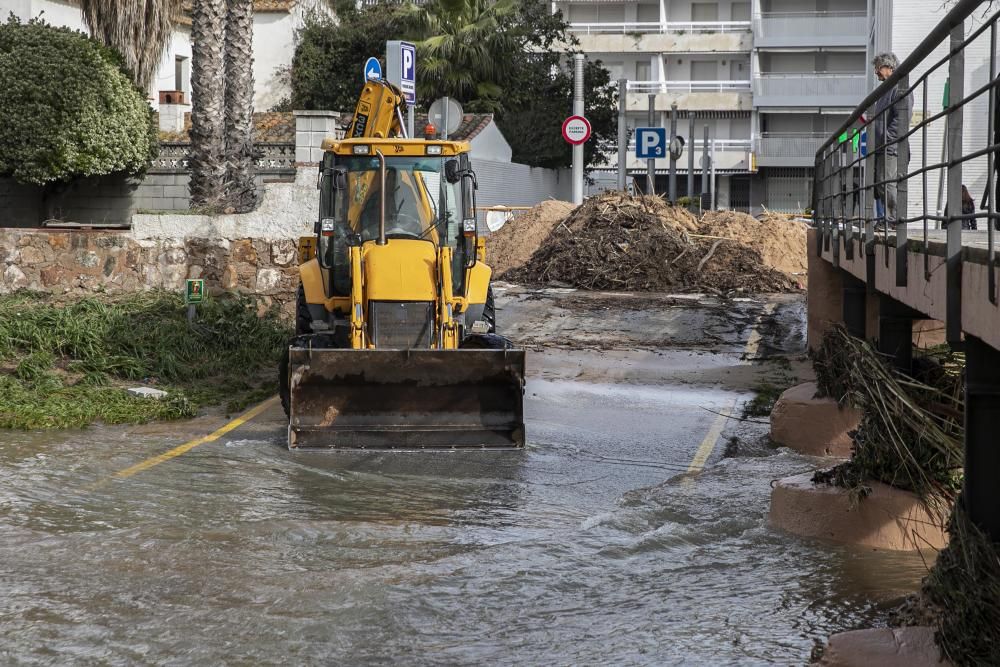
{"x": 704, "y": 11}
{"x": 182, "y": 72}
{"x": 741, "y": 11}
{"x": 642, "y": 72}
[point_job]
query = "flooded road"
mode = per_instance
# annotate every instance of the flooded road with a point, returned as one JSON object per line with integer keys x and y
{"x": 624, "y": 534}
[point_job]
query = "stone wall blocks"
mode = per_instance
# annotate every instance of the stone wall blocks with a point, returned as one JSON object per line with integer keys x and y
{"x": 13, "y": 279}
{"x": 284, "y": 252}
{"x": 243, "y": 250}
{"x": 174, "y": 256}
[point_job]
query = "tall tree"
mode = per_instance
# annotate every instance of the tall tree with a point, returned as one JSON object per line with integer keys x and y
{"x": 139, "y": 30}
{"x": 241, "y": 191}
{"x": 208, "y": 146}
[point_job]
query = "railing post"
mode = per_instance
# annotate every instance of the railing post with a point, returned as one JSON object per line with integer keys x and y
{"x": 953, "y": 257}
{"x": 868, "y": 203}
{"x": 902, "y": 186}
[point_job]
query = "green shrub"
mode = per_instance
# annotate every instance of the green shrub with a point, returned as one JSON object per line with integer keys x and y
{"x": 68, "y": 107}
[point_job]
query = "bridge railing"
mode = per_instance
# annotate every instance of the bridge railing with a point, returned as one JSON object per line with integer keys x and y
{"x": 854, "y": 178}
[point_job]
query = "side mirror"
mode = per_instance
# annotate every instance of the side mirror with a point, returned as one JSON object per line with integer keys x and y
{"x": 452, "y": 171}
{"x": 339, "y": 179}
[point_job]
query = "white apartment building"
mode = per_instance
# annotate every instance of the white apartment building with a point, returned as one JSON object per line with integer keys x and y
{"x": 770, "y": 79}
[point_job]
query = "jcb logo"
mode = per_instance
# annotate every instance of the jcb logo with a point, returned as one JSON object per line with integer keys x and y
{"x": 397, "y": 148}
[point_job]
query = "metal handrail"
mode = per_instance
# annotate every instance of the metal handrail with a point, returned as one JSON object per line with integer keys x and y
{"x": 845, "y": 182}
{"x": 688, "y": 86}
{"x": 660, "y": 27}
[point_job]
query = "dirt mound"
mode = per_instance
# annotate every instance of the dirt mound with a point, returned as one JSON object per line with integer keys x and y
{"x": 513, "y": 244}
{"x": 780, "y": 241}
{"x": 638, "y": 243}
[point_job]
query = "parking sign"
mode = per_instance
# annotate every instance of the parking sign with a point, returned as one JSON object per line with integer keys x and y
{"x": 650, "y": 142}
{"x": 401, "y": 66}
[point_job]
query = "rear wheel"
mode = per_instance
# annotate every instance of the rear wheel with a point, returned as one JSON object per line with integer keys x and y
{"x": 284, "y": 392}
{"x": 303, "y": 319}
{"x": 490, "y": 311}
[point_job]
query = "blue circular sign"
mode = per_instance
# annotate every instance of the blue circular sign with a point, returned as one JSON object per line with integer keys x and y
{"x": 373, "y": 69}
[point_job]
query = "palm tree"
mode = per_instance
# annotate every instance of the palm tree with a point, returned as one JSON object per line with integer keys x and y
{"x": 207, "y": 159}
{"x": 458, "y": 41}
{"x": 241, "y": 191}
{"x": 137, "y": 29}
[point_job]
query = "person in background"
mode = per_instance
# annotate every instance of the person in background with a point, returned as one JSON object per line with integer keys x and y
{"x": 891, "y": 159}
{"x": 968, "y": 207}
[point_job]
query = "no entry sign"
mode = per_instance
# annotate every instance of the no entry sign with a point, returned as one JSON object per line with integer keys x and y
{"x": 576, "y": 130}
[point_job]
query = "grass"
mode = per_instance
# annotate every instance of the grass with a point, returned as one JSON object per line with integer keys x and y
{"x": 65, "y": 365}
{"x": 766, "y": 396}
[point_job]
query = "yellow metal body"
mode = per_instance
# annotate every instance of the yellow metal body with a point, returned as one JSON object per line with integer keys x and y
{"x": 440, "y": 396}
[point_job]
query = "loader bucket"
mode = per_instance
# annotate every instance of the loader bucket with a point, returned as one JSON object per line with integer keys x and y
{"x": 405, "y": 399}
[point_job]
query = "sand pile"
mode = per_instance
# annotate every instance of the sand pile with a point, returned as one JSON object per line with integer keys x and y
{"x": 513, "y": 244}
{"x": 780, "y": 240}
{"x": 638, "y": 243}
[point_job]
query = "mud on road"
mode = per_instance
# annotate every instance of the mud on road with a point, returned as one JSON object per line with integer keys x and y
{"x": 632, "y": 530}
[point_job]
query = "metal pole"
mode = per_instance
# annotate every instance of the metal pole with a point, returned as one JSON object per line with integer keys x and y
{"x": 941, "y": 174}
{"x": 953, "y": 252}
{"x": 578, "y": 111}
{"x": 704, "y": 170}
{"x": 673, "y": 160}
{"x": 409, "y": 122}
{"x": 715, "y": 186}
{"x": 690, "y": 191}
{"x": 651, "y": 164}
{"x": 622, "y": 133}
{"x": 381, "y": 196}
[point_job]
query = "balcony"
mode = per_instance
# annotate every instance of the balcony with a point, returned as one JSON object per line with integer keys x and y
{"x": 810, "y": 29}
{"x": 693, "y": 95}
{"x": 788, "y": 149}
{"x": 665, "y": 37}
{"x": 809, "y": 90}
{"x": 730, "y": 155}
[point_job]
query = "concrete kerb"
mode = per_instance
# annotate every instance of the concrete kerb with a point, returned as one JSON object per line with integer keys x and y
{"x": 811, "y": 425}
{"x": 885, "y": 647}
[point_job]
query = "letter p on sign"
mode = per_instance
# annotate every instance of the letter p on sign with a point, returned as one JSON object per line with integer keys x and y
{"x": 650, "y": 142}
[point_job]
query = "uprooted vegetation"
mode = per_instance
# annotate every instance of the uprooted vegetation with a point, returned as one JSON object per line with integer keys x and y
{"x": 65, "y": 365}
{"x": 617, "y": 241}
{"x": 911, "y": 436}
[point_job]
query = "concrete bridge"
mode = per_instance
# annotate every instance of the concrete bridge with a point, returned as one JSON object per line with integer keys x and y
{"x": 881, "y": 271}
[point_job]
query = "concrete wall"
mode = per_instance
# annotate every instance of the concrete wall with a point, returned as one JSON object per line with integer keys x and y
{"x": 82, "y": 262}
{"x": 512, "y": 184}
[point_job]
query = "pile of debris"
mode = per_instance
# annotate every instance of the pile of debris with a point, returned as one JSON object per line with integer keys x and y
{"x": 513, "y": 244}
{"x": 617, "y": 241}
{"x": 780, "y": 240}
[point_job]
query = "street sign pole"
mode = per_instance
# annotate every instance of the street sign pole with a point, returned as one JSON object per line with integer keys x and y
{"x": 651, "y": 163}
{"x": 704, "y": 170}
{"x": 622, "y": 134}
{"x": 578, "y": 148}
{"x": 673, "y": 160}
{"x": 690, "y": 192}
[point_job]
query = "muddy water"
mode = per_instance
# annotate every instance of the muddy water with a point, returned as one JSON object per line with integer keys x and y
{"x": 593, "y": 546}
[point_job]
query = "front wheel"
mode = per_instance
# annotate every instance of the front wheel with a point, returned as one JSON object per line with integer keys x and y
{"x": 490, "y": 311}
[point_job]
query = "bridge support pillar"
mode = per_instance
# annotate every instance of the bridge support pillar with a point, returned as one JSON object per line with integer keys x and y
{"x": 855, "y": 300}
{"x": 895, "y": 332}
{"x": 982, "y": 444}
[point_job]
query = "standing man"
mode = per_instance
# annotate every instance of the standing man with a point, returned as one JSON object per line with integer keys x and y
{"x": 890, "y": 120}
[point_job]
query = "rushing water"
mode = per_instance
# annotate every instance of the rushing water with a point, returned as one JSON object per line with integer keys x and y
{"x": 590, "y": 547}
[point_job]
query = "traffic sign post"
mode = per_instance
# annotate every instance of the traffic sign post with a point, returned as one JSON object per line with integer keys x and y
{"x": 401, "y": 71}
{"x": 576, "y": 130}
{"x": 372, "y": 69}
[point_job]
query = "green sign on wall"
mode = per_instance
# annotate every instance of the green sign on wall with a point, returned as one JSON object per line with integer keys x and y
{"x": 195, "y": 292}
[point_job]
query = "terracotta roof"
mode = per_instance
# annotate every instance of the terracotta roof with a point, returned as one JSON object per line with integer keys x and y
{"x": 472, "y": 124}
{"x": 183, "y": 15}
{"x": 269, "y": 127}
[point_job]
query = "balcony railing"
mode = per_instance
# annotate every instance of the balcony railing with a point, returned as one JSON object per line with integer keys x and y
{"x": 812, "y": 85}
{"x": 656, "y": 27}
{"x": 688, "y": 86}
{"x": 789, "y": 144}
{"x": 801, "y": 25}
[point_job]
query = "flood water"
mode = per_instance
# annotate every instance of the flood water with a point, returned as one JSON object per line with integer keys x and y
{"x": 593, "y": 546}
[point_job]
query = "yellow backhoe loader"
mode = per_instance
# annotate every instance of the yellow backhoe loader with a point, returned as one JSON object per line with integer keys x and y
{"x": 396, "y": 345}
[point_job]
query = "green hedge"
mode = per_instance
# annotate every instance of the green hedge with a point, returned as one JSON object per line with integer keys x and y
{"x": 68, "y": 107}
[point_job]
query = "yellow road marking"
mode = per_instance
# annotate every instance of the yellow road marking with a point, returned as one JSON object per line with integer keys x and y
{"x": 707, "y": 445}
{"x": 191, "y": 444}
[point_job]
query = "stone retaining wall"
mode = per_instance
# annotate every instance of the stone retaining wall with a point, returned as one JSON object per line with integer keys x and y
{"x": 83, "y": 262}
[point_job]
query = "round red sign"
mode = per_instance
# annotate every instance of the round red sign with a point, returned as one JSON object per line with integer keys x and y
{"x": 576, "y": 130}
